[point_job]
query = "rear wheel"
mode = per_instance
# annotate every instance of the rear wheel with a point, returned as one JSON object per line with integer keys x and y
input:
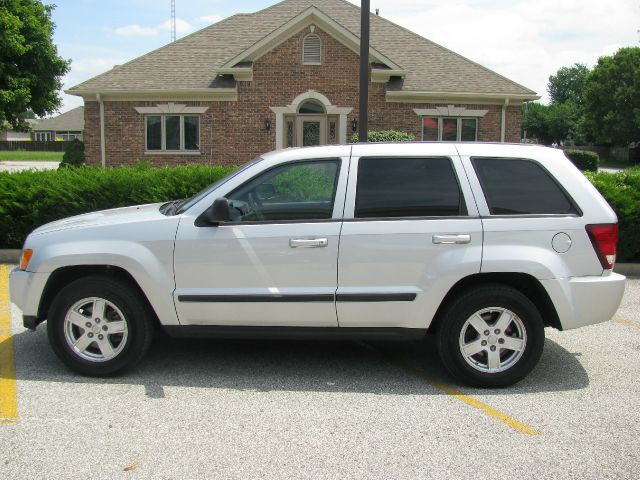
{"x": 491, "y": 336}
{"x": 99, "y": 326}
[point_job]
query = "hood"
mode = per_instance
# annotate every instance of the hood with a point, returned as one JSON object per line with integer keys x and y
{"x": 104, "y": 217}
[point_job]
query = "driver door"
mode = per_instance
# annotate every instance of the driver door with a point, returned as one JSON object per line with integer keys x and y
{"x": 275, "y": 262}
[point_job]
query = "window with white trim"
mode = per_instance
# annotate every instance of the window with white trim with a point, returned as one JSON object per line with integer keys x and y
{"x": 449, "y": 129}
{"x": 172, "y": 133}
{"x": 312, "y": 50}
{"x": 43, "y": 136}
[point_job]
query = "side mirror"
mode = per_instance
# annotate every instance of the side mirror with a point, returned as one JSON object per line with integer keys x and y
{"x": 215, "y": 214}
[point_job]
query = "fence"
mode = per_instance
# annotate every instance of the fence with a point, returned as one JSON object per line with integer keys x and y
{"x": 33, "y": 146}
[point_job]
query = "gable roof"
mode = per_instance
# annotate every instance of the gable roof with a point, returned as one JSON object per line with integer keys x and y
{"x": 71, "y": 121}
{"x": 193, "y": 62}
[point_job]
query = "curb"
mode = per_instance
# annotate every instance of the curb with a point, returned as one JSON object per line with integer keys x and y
{"x": 10, "y": 256}
{"x": 628, "y": 269}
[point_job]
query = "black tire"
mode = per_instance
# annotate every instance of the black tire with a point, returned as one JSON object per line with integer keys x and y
{"x": 129, "y": 349}
{"x": 489, "y": 299}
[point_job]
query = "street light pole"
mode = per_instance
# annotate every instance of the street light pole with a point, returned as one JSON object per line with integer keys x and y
{"x": 363, "y": 125}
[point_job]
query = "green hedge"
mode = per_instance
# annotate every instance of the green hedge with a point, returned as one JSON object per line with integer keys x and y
{"x": 622, "y": 191}
{"x": 584, "y": 160}
{"x": 29, "y": 199}
{"x": 385, "y": 136}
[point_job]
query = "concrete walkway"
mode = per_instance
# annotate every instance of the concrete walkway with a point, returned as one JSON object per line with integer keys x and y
{"x": 15, "y": 166}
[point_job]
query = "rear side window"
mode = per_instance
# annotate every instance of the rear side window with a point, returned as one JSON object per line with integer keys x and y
{"x": 520, "y": 187}
{"x": 407, "y": 187}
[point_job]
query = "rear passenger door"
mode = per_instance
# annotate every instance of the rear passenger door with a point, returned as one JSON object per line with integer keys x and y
{"x": 411, "y": 230}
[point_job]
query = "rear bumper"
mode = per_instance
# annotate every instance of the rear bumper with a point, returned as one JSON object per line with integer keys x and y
{"x": 582, "y": 301}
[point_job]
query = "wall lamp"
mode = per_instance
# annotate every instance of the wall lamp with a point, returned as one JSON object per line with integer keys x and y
{"x": 354, "y": 126}
{"x": 267, "y": 124}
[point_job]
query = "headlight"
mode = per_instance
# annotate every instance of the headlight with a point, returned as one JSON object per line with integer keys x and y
{"x": 25, "y": 258}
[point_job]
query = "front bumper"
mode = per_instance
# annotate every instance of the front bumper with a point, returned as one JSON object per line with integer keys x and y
{"x": 25, "y": 290}
{"x": 582, "y": 301}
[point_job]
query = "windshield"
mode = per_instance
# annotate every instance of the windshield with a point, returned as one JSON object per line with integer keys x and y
{"x": 187, "y": 203}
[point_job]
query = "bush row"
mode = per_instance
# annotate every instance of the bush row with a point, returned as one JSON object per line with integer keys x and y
{"x": 584, "y": 160}
{"x": 29, "y": 199}
{"x": 622, "y": 191}
{"x": 376, "y": 136}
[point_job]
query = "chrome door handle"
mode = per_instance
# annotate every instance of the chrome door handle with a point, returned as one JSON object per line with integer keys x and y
{"x": 452, "y": 239}
{"x": 308, "y": 242}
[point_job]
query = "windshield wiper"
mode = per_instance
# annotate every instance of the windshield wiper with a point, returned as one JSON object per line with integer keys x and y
{"x": 170, "y": 208}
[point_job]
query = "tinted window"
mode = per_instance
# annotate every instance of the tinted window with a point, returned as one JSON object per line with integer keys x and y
{"x": 517, "y": 186}
{"x": 295, "y": 191}
{"x": 407, "y": 187}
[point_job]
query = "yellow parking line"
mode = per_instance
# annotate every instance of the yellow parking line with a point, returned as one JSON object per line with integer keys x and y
{"x": 469, "y": 400}
{"x": 8, "y": 391}
{"x": 628, "y": 323}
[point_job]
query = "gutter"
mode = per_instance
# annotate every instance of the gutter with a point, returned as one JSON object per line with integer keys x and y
{"x": 503, "y": 123}
{"x": 103, "y": 150}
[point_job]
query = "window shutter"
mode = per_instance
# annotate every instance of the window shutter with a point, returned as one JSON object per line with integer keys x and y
{"x": 312, "y": 48}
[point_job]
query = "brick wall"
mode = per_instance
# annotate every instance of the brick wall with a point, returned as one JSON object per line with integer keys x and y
{"x": 234, "y": 132}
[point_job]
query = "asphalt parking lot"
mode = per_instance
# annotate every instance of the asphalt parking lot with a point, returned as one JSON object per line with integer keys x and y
{"x": 262, "y": 409}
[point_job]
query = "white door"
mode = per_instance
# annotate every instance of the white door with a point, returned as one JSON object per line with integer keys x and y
{"x": 411, "y": 231}
{"x": 275, "y": 263}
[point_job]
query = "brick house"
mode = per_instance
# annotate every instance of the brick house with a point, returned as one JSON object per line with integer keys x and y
{"x": 288, "y": 76}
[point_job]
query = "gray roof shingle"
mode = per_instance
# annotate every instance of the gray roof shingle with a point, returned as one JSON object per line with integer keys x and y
{"x": 71, "y": 121}
{"x": 191, "y": 62}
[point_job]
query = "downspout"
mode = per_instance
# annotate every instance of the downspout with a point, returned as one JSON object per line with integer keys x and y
{"x": 103, "y": 150}
{"x": 503, "y": 126}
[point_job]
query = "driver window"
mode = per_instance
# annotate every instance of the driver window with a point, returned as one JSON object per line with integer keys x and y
{"x": 295, "y": 191}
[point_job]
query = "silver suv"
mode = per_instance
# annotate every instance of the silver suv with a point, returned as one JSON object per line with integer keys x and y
{"x": 481, "y": 245}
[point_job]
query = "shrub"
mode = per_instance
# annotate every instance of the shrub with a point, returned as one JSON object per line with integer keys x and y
{"x": 73, "y": 154}
{"x": 622, "y": 191}
{"x": 385, "y": 136}
{"x": 29, "y": 199}
{"x": 584, "y": 160}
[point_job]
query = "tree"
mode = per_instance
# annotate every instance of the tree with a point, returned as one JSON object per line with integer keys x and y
{"x": 612, "y": 98}
{"x": 567, "y": 85}
{"x": 30, "y": 69}
{"x": 552, "y": 123}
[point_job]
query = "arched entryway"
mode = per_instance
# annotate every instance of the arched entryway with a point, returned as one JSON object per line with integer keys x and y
{"x": 310, "y": 120}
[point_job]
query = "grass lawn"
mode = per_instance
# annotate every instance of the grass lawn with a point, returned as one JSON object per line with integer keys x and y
{"x": 23, "y": 156}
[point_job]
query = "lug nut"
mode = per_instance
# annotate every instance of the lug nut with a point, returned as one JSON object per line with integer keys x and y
{"x": 105, "y": 328}
{"x": 88, "y": 324}
{"x": 496, "y": 331}
{"x": 97, "y": 320}
{"x": 501, "y": 340}
{"x": 483, "y": 343}
{"x": 100, "y": 337}
{"x": 486, "y": 332}
{"x": 493, "y": 348}
{"x": 90, "y": 335}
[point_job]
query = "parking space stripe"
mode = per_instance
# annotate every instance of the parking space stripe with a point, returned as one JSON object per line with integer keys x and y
{"x": 8, "y": 390}
{"x": 468, "y": 399}
{"x": 628, "y": 323}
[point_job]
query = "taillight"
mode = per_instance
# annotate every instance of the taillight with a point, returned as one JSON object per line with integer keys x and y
{"x": 604, "y": 238}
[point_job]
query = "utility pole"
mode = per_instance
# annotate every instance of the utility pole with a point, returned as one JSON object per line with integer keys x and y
{"x": 363, "y": 124}
{"x": 173, "y": 20}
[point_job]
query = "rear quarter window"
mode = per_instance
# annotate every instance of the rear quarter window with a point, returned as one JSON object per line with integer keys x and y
{"x": 514, "y": 186}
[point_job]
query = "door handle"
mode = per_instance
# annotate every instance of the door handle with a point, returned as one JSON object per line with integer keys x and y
{"x": 308, "y": 242}
{"x": 452, "y": 239}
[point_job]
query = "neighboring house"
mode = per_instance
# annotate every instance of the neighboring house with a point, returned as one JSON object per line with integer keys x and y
{"x": 66, "y": 126}
{"x": 288, "y": 76}
{"x": 15, "y": 136}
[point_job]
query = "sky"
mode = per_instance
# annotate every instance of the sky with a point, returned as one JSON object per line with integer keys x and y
{"x": 524, "y": 40}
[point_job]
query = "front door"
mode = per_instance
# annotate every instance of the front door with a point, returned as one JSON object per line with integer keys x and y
{"x": 275, "y": 262}
{"x": 311, "y": 130}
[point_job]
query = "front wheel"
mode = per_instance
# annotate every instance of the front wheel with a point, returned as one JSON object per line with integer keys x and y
{"x": 491, "y": 336}
{"x": 99, "y": 326}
